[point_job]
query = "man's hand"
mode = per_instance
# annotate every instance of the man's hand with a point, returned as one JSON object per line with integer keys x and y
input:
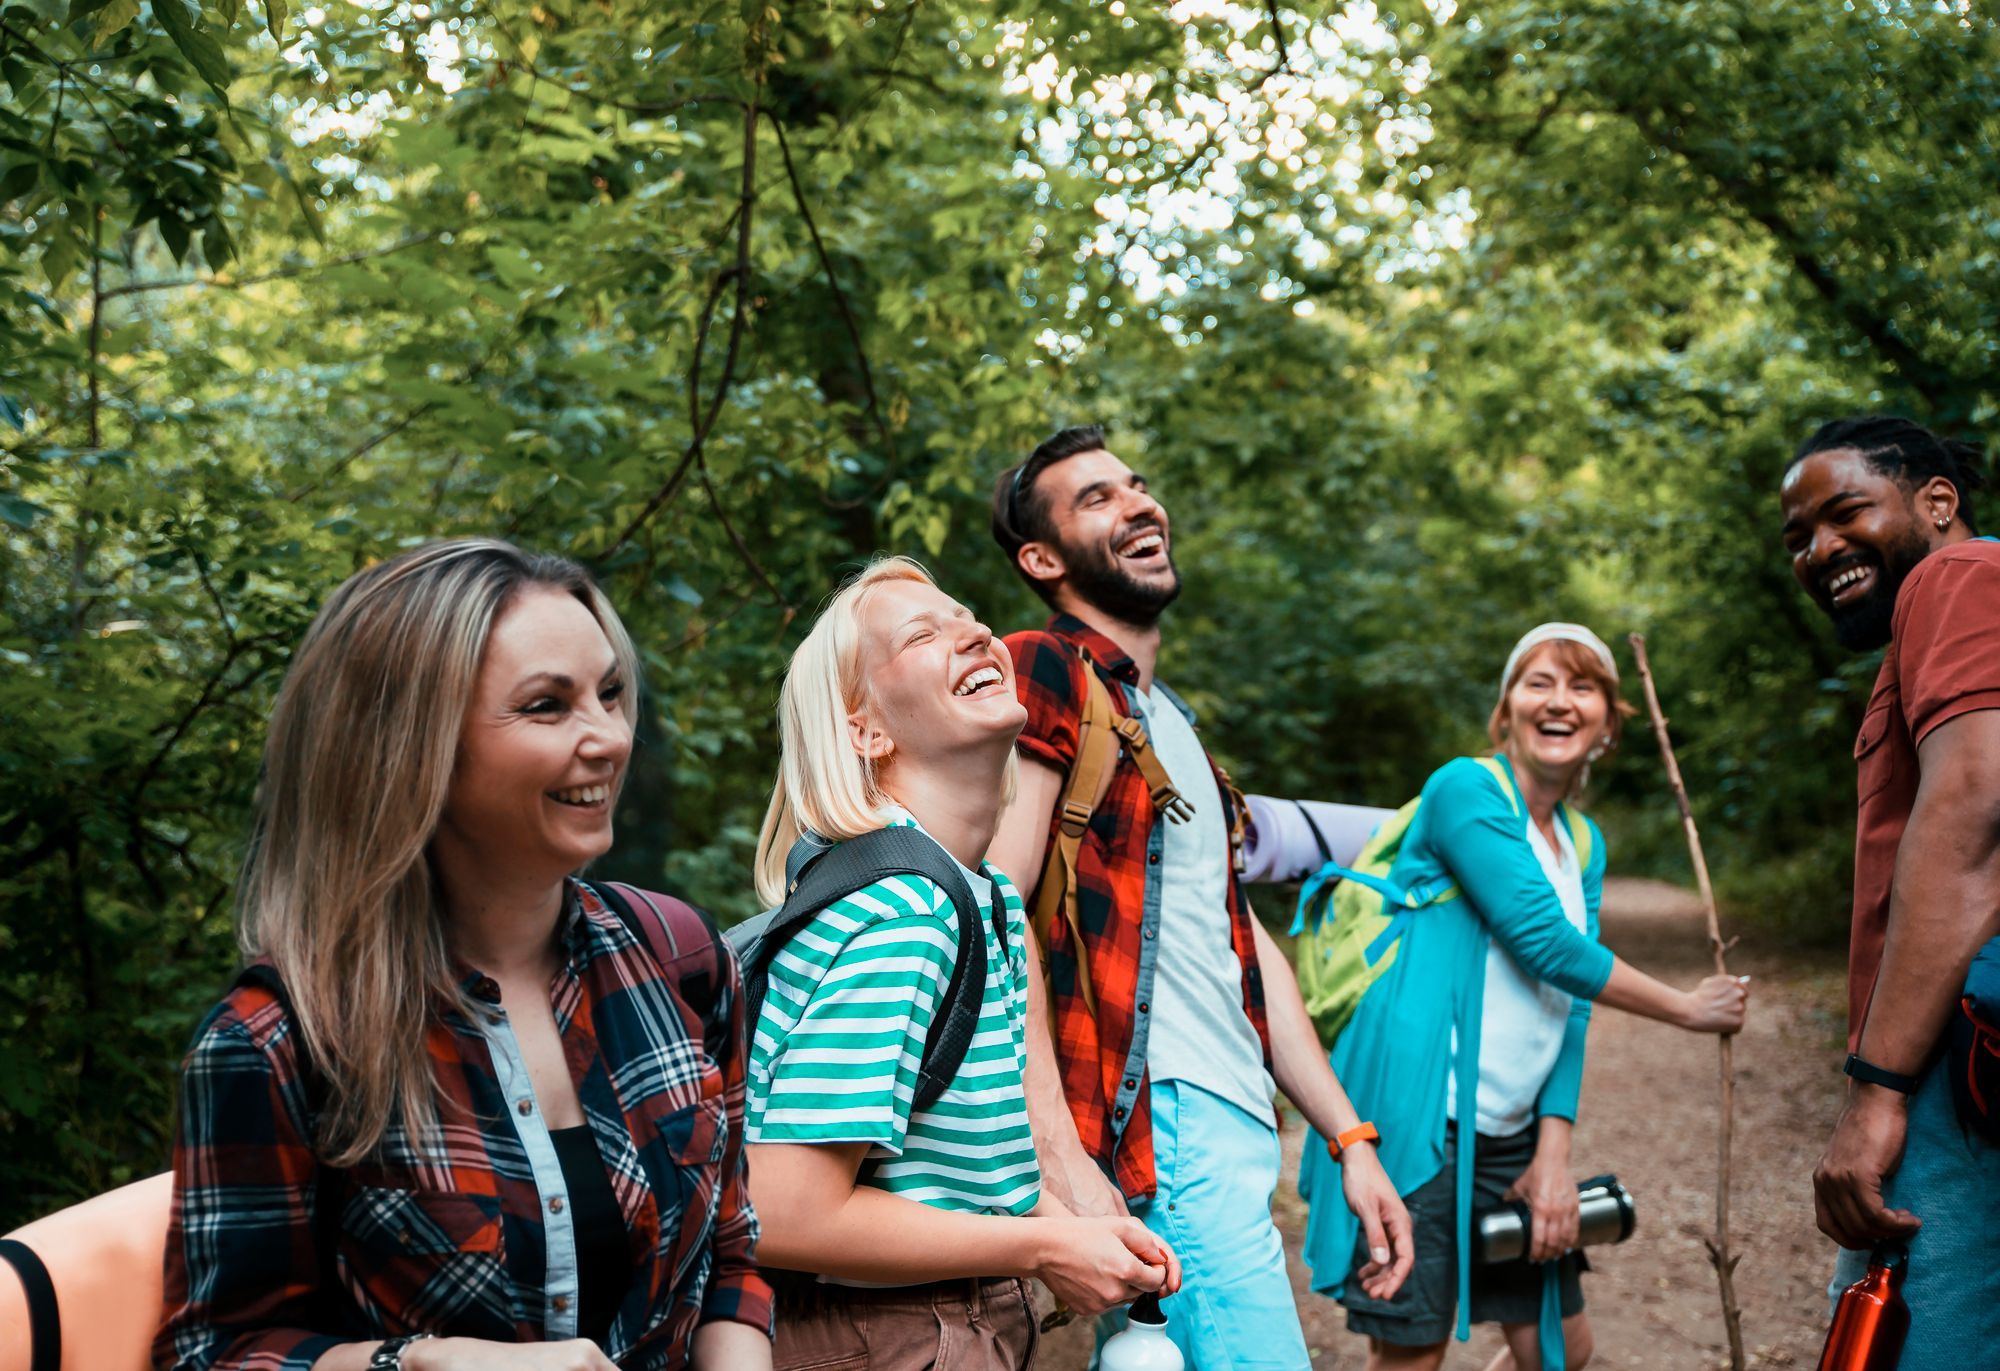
{"x": 1085, "y": 1189}
{"x": 1554, "y": 1212}
{"x": 1866, "y": 1148}
{"x": 1383, "y": 1219}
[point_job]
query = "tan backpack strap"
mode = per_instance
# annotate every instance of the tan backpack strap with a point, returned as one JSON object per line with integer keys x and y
{"x": 1239, "y": 819}
{"x": 1166, "y": 799}
{"x": 1096, "y": 754}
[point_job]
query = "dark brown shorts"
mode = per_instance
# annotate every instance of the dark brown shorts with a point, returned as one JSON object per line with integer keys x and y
{"x": 962, "y": 1325}
{"x": 1425, "y": 1311}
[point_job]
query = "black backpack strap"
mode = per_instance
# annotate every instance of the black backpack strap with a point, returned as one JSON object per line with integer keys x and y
{"x": 683, "y": 939}
{"x": 44, "y": 1315}
{"x": 1325, "y": 852}
{"x": 837, "y": 872}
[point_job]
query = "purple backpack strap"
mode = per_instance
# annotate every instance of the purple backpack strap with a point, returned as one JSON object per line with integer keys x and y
{"x": 684, "y": 941}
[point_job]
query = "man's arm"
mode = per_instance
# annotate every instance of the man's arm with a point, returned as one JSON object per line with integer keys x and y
{"x": 1306, "y": 1076}
{"x": 1069, "y": 1176}
{"x": 1944, "y": 903}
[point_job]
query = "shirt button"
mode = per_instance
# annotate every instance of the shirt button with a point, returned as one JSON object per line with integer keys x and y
{"x": 1152, "y": 859}
{"x": 555, "y": 1205}
{"x": 1131, "y": 1084}
{"x": 1119, "y": 1112}
{"x": 1149, "y": 932}
{"x": 525, "y": 1108}
{"x": 1144, "y": 1008}
{"x": 561, "y": 1303}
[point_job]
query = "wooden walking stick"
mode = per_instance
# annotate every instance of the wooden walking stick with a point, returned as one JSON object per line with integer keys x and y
{"x": 1719, "y": 1254}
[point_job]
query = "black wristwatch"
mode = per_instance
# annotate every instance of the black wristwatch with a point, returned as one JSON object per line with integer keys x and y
{"x": 1870, "y": 1074}
{"x": 389, "y": 1356}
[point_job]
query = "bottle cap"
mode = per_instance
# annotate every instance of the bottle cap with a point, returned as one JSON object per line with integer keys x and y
{"x": 1146, "y": 1310}
{"x": 1892, "y": 1255}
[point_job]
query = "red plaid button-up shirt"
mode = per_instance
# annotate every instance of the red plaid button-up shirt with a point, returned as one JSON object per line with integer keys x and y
{"x": 1103, "y": 1060}
{"x": 273, "y": 1258}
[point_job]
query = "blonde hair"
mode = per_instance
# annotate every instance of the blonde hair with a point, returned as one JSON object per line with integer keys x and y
{"x": 337, "y": 889}
{"x": 825, "y": 785}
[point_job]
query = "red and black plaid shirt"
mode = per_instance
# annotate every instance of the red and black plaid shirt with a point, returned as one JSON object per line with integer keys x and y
{"x": 272, "y": 1258}
{"x": 1103, "y": 1059}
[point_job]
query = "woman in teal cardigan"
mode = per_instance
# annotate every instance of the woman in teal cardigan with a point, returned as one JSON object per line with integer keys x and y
{"x": 1488, "y": 998}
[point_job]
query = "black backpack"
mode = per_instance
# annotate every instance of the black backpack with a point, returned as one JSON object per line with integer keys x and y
{"x": 818, "y": 873}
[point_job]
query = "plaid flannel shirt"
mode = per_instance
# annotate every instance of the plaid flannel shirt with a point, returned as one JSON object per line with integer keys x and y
{"x": 1103, "y": 1060}
{"x": 451, "y": 1239}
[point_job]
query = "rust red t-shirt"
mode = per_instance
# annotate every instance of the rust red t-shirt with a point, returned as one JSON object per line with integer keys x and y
{"x": 1943, "y": 661}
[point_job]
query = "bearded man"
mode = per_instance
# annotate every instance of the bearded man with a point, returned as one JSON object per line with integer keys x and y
{"x": 1879, "y": 525}
{"x": 1169, "y": 1009}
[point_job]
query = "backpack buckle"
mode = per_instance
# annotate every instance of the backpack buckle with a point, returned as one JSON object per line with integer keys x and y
{"x": 1075, "y": 818}
{"x": 1169, "y": 802}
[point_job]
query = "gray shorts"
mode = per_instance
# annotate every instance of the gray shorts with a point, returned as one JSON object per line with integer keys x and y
{"x": 1424, "y": 1311}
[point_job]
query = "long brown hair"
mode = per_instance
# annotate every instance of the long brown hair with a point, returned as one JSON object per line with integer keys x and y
{"x": 337, "y": 888}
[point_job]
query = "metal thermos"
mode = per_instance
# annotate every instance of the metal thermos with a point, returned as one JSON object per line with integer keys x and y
{"x": 1871, "y": 1320}
{"x": 1607, "y": 1215}
{"x": 1143, "y": 1345}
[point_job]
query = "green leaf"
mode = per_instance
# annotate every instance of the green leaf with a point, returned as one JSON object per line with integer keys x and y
{"x": 11, "y": 412}
{"x": 274, "y": 18}
{"x": 181, "y": 19}
{"x": 113, "y": 18}
{"x": 20, "y": 513}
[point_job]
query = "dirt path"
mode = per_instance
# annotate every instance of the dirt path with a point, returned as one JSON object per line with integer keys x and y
{"x": 1648, "y": 1114}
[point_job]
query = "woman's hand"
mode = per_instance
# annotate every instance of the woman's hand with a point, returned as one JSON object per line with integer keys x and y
{"x": 476, "y": 1354}
{"x": 1384, "y": 1220}
{"x": 1717, "y": 1005}
{"x": 1093, "y": 1264}
{"x": 1555, "y": 1217}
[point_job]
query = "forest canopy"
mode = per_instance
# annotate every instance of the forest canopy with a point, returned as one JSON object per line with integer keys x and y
{"x": 1427, "y": 322}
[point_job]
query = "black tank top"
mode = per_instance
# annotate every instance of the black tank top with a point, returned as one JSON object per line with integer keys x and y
{"x": 603, "y": 1259}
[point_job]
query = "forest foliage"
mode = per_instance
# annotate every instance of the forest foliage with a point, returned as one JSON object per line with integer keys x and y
{"x": 1428, "y": 322}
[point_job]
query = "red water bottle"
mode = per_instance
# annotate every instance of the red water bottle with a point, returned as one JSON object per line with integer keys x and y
{"x": 1871, "y": 1320}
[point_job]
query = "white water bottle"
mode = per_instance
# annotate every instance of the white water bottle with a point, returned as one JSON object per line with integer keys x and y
{"x": 1144, "y": 1344}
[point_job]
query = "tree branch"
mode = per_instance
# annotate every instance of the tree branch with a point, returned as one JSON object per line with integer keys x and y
{"x": 839, "y": 296}
{"x": 702, "y": 420}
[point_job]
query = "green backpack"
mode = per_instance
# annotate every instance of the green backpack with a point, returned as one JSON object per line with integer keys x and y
{"x": 1350, "y": 920}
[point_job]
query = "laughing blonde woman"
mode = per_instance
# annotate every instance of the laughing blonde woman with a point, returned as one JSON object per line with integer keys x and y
{"x": 913, "y": 1228}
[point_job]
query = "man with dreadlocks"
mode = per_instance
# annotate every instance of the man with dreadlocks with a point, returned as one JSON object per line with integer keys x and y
{"x": 1879, "y": 525}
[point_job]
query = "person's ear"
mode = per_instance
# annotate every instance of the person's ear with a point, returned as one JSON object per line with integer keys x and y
{"x": 1041, "y": 561}
{"x": 867, "y": 739}
{"x": 1937, "y": 502}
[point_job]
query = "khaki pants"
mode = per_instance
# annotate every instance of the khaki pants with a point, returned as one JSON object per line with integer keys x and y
{"x": 963, "y": 1325}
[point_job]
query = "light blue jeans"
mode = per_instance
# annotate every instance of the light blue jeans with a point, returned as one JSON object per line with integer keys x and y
{"x": 1217, "y": 1169}
{"x": 1950, "y": 1180}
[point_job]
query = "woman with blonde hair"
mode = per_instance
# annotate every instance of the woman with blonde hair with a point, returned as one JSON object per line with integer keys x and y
{"x": 461, "y": 1112}
{"x": 916, "y": 1225}
{"x": 1491, "y": 967}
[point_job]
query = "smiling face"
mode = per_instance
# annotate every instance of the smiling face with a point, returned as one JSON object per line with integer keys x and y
{"x": 1854, "y": 534}
{"x": 1557, "y": 715}
{"x": 1110, "y": 545}
{"x": 545, "y": 741}
{"x": 935, "y": 681}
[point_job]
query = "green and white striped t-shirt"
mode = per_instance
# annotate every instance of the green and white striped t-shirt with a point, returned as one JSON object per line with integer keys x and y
{"x": 837, "y": 1047}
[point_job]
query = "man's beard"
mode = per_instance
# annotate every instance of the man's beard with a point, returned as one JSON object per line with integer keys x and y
{"x": 1097, "y": 574}
{"x": 1866, "y": 624}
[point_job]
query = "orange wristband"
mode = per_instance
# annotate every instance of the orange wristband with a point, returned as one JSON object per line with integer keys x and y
{"x": 1361, "y": 1132}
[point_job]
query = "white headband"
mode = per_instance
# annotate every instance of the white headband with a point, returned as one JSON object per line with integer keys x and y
{"x": 1553, "y": 633}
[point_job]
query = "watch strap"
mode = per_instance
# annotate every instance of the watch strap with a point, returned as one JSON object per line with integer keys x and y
{"x": 389, "y": 1356}
{"x": 1870, "y": 1074}
{"x": 1361, "y": 1132}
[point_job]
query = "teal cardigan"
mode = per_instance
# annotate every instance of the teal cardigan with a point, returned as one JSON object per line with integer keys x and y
{"x": 1394, "y": 1057}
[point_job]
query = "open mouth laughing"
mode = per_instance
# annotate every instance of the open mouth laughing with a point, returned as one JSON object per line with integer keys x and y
{"x": 583, "y": 796}
{"x": 1147, "y": 544}
{"x": 979, "y": 682}
{"x": 1845, "y": 584}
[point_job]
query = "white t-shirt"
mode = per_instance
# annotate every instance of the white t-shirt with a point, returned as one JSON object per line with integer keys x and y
{"x": 1200, "y": 1033}
{"x": 1521, "y": 1028}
